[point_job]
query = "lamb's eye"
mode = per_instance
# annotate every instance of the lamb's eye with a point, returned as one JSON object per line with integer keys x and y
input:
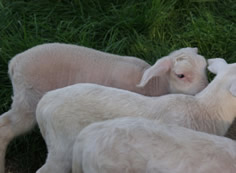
{"x": 180, "y": 76}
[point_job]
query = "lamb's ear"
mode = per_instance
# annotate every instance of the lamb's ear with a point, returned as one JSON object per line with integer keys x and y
{"x": 195, "y": 49}
{"x": 160, "y": 68}
{"x": 215, "y": 65}
{"x": 232, "y": 88}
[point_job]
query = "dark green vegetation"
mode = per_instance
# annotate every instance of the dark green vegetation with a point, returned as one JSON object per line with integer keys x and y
{"x": 148, "y": 29}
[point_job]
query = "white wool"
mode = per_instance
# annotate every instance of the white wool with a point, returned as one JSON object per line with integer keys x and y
{"x": 128, "y": 145}
{"x": 62, "y": 113}
{"x": 50, "y": 66}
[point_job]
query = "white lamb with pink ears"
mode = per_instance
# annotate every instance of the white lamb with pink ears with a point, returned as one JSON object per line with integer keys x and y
{"x": 63, "y": 113}
{"x": 50, "y": 66}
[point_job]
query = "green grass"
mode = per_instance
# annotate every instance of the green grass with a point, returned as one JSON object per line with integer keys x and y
{"x": 148, "y": 29}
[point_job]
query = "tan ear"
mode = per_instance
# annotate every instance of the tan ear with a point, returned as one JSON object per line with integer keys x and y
{"x": 232, "y": 88}
{"x": 160, "y": 68}
{"x": 215, "y": 65}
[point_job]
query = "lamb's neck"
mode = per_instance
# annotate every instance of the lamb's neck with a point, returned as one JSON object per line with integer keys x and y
{"x": 211, "y": 90}
{"x": 218, "y": 107}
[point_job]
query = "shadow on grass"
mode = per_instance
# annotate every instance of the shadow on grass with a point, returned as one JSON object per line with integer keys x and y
{"x": 26, "y": 154}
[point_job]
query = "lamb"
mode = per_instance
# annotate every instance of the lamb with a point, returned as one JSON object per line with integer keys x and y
{"x": 51, "y": 66}
{"x": 128, "y": 145}
{"x": 62, "y": 113}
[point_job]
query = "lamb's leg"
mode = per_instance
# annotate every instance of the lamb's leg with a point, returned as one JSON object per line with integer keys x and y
{"x": 13, "y": 123}
{"x": 58, "y": 161}
{"x": 5, "y": 134}
{"x": 77, "y": 158}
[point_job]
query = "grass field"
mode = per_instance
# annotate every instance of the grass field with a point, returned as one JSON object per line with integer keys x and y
{"x": 148, "y": 29}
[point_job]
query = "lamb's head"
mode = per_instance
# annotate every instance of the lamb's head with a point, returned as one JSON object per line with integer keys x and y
{"x": 184, "y": 69}
{"x": 223, "y": 86}
{"x": 225, "y": 76}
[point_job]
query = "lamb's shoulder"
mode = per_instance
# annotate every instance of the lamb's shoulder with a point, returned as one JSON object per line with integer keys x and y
{"x": 173, "y": 105}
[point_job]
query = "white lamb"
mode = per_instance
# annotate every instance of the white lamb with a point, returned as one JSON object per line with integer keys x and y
{"x": 51, "y": 66}
{"x": 138, "y": 145}
{"x": 62, "y": 113}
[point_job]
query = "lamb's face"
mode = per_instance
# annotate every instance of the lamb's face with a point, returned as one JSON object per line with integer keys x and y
{"x": 188, "y": 74}
{"x": 184, "y": 69}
